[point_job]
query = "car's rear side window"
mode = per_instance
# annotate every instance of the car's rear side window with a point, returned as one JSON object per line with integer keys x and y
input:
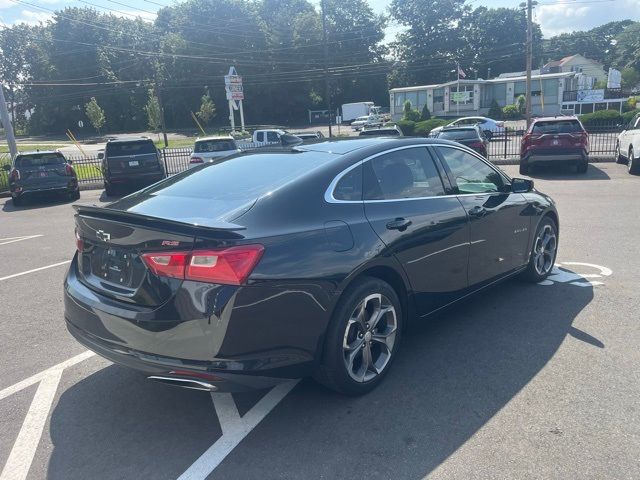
{"x": 556, "y": 126}
{"x": 206, "y": 146}
{"x": 132, "y": 148}
{"x": 405, "y": 173}
{"x": 39, "y": 160}
{"x": 349, "y": 188}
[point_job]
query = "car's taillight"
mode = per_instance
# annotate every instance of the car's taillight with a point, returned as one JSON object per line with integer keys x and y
{"x": 68, "y": 170}
{"x": 477, "y": 145}
{"x": 196, "y": 160}
{"x": 79, "y": 242}
{"x": 14, "y": 175}
{"x": 228, "y": 266}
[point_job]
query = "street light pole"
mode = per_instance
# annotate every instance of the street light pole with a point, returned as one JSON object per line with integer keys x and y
{"x": 8, "y": 127}
{"x": 529, "y": 49}
{"x": 327, "y": 92}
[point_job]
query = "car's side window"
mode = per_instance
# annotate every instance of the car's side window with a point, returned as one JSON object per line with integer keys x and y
{"x": 272, "y": 137}
{"x": 470, "y": 174}
{"x": 406, "y": 173}
{"x": 349, "y": 188}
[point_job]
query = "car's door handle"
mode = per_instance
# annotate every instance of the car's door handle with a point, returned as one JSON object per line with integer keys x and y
{"x": 477, "y": 211}
{"x": 400, "y": 224}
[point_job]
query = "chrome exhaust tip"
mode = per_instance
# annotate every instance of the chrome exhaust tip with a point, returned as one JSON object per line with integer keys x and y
{"x": 185, "y": 383}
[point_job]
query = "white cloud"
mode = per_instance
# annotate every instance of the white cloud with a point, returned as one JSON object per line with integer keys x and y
{"x": 32, "y": 17}
{"x": 569, "y": 16}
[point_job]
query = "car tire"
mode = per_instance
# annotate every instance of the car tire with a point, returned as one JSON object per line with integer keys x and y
{"x": 357, "y": 355}
{"x": 109, "y": 190}
{"x": 543, "y": 253}
{"x": 619, "y": 157}
{"x": 583, "y": 166}
{"x": 18, "y": 201}
{"x": 74, "y": 195}
{"x": 524, "y": 167}
{"x": 633, "y": 163}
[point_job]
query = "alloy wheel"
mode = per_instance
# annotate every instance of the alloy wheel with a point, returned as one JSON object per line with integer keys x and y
{"x": 369, "y": 337}
{"x": 544, "y": 250}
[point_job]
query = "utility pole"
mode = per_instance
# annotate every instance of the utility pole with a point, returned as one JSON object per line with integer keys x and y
{"x": 529, "y": 6}
{"x": 8, "y": 127}
{"x": 162, "y": 124}
{"x": 327, "y": 92}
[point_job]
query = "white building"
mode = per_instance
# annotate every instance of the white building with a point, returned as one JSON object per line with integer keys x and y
{"x": 551, "y": 94}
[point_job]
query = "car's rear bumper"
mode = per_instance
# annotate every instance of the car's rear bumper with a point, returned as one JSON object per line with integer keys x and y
{"x": 22, "y": 189}
{"x": 247, "y": 337}
{"x": 135, "y": 177}
{"x": 565, "y": 157}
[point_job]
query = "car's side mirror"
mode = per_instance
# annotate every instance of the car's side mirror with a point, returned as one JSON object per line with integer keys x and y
{"x": 6, "y": 167}
{"x": 100, "y": 155}
{"x": 521, "y": 185}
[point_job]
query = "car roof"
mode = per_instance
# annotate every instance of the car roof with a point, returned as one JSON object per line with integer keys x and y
{"x": 472, "y": 118}
{"x": 460, "y": 127}
{"x": 347, "y": 145}
{"x": 38, "y": 152}
{"x": 559, "y": 118}
{"x": 130, "y": 140}
{"x": 220, "y": 137}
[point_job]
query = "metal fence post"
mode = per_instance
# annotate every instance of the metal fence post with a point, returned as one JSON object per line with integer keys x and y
{"x": 164, "y": 160}
{"x": 506, "y": 141}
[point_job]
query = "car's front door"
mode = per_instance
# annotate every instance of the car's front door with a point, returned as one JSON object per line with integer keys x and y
{"x": 498, "y": 219}
{"x": 426, "y": 230}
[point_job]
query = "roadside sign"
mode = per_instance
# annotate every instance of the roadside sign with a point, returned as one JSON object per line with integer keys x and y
{"x": 233, "y": 87}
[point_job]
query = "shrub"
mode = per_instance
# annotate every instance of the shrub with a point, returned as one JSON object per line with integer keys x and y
{"x": 406, "y": 126}
{"x": 601, "y": 117}
{"x": 627, "y": 116}
{"x": 495, "y": 111}
{"x": 521, "y": 103}
{"x": 426, "y": 114}
{"x": 510, "y": 112}
{"x": 410, "y": 113}
{"x": 424, "y": 128}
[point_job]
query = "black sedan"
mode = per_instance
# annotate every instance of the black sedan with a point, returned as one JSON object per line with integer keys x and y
{"x": 470, "y": 136}
{"x": 270, "y": 266}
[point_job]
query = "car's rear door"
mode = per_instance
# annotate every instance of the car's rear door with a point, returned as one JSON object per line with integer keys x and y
{"x": 498, "y": 219}
{"x": 407, "y": 205}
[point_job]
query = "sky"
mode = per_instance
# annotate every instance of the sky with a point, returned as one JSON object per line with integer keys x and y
{"x": 554, "y": 16}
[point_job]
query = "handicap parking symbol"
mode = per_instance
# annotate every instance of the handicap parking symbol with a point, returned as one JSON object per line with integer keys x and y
{"x": 588, "y": 279}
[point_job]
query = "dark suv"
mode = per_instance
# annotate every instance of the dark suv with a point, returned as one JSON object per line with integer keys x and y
{"x": 555, "y": 139}
{"x": 42, "y": 172}
{"x": 132, "y": 162}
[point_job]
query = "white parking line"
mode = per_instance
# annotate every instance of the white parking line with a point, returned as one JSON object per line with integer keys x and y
{"x": 34, "y": 270}
{"x": 234, "y": 428}
{"x": 24, "y": 449}
{"x": 7, "y": 240}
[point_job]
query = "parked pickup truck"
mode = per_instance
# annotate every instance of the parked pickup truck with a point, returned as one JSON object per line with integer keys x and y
{"x": 628, "y": 146}
{"x": 269, "y": 137}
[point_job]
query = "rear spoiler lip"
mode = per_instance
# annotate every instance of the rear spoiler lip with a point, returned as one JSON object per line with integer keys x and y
{"x": 212, "y": 226}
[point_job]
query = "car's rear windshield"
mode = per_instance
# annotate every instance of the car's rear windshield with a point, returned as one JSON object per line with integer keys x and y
{"x": 556, "y": 126}
{"x": 39, "y": 160}
{"x": 241, "y": 178}
{"x": 130, "y": 148}
{"x": 462, "y": 134}
{"x": 204, "y": 146}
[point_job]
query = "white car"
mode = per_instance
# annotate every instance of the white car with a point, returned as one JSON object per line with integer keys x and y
{"x": 628, "y": 146}
{"x": 210, "y": 148}
{"x": 490, "y": 128}
{"x": 368, "y": 120}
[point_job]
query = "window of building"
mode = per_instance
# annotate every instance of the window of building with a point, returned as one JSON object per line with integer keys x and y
{"x": 422, "y": 99}
{"x": 519, "y": 88}
{"x": 600, "y": 106}
{"x": 438, "y": 95}
{"x": 413, "y": 98}
{"x": 586, "y": 108}
{"x": 399, "y": 100}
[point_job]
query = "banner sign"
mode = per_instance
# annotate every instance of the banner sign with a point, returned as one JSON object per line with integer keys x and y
{"x": 460, "y": 97}
{"x": 591, "y": 95}
{"x": 233, "y": 86}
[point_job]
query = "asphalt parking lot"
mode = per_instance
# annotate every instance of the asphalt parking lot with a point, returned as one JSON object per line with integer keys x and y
{"x": 522, "y": 381}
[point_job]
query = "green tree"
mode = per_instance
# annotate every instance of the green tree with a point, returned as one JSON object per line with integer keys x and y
{"x": 410, "y": 113}
{"x": 627, "y": 47}
{"x": 95, "y": 114}
{"x": 153, "y": 111}
{"x": 495, "y": 111}
{"x": 630, "y": 77}
{"x": 207, "y": 109}
{"x": 426, "y": 114}
{"x": 521, "y": 104}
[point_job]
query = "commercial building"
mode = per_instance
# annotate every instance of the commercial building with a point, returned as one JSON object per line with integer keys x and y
{"x": 551, "y": 94}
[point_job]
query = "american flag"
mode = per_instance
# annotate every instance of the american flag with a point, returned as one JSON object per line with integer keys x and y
{"x": 461, "y": 73}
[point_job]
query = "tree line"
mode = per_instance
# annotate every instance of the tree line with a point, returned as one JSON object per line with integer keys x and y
{"x": 128, "y": 67}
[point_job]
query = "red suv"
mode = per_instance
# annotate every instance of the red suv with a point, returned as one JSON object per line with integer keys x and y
{"x": 555, "y": 139}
